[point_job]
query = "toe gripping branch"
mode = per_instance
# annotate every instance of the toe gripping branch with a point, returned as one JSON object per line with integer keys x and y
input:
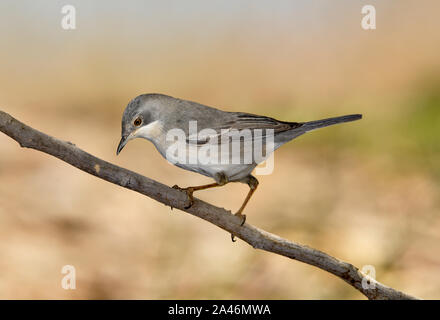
{"x": 251, "y": 181}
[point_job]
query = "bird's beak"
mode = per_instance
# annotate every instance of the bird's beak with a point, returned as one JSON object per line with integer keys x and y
{"x": 121, "y": 145}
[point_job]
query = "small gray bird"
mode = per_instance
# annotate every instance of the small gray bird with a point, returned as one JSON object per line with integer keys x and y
{"x": 152, "y": 116}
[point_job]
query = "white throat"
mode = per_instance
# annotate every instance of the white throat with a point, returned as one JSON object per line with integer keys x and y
{"x": 152, "y": 131}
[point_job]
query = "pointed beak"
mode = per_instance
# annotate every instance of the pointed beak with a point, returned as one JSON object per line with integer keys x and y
{"x": 121, "y": 145}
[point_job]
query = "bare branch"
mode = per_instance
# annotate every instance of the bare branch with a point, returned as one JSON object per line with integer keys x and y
{"x": 28, "y": 137}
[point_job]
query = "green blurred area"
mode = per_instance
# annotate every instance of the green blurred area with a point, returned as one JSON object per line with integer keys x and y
{"x": 409, "y": 136}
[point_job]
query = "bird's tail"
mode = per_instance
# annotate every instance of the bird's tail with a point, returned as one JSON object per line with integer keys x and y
{"x": 312, "y": 125}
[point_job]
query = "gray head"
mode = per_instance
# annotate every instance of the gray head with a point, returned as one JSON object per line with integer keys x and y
{"x": 141, "y": 118}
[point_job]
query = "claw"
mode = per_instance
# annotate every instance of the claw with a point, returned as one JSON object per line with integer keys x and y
{"x": 191, "y": 202}
{"x": 189, "y": 192}
{"x": 243, "y": 216}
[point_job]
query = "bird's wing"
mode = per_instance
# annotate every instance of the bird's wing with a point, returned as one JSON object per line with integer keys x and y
{"x": 239, "y": 121}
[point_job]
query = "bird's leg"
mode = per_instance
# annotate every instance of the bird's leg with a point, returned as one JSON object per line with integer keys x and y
{"x": 190, "y": 190}
{"x": 220, "y": 180}
{"x": 253, "y": 184}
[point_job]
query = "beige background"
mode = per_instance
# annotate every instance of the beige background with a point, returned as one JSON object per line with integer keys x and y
{"x": 365, "y": 192}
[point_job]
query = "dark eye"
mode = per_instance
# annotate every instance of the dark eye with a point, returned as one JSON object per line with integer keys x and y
{"x": 137, "y": 122}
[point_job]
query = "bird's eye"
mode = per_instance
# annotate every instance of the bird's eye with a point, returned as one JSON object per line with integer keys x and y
{"x": 137, "y": 122}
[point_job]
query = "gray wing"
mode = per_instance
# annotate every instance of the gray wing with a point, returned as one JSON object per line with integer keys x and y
{"x": 283, "y": 131}
{"x": 257, "y": 136}
{"x": 241, "y": 121}
{"x": 241, "y": 138}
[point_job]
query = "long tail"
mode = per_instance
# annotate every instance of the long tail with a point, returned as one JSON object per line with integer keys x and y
{"x": 312, "y": 125}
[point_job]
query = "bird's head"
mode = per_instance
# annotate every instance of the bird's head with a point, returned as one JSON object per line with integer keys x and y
{"x": 141, "y": 119}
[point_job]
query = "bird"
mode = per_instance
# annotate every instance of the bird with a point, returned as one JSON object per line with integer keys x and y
{"x": 153, "y": 116}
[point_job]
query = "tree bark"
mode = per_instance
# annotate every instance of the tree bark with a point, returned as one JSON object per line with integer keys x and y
{"x": 28, "y": 137}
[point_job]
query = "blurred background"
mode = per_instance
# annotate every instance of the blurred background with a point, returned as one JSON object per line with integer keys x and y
{"x": 365, "y": 192}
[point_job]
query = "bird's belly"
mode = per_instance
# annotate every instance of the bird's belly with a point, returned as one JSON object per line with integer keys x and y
{"x": 234, "y": 172}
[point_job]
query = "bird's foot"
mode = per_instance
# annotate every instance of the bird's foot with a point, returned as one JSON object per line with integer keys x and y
{"x": 242, "y": 216}
{"x": 189, "y": 193}
{"x": 243, "y": 220}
